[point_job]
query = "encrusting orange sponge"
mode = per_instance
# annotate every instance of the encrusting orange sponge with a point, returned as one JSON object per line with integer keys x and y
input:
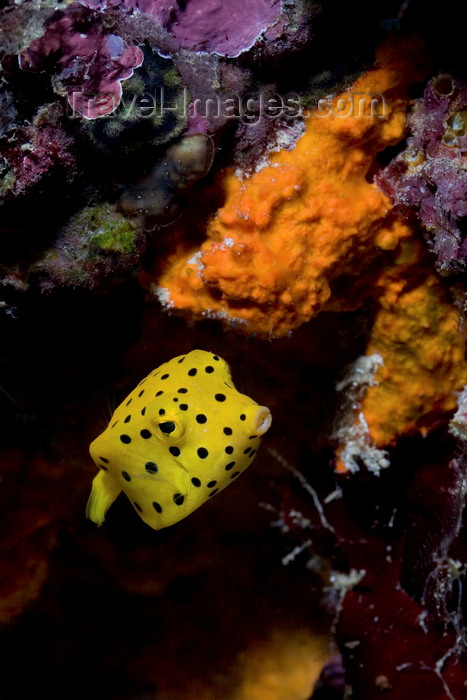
{"x": 309, "y": 217}
{"x": 416, "y": 332}
{"x": 419, "y": 364}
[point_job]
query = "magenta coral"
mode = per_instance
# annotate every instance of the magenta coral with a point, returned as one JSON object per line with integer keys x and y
{"x": 430, "y": 176}
{"x": 90, "y": 63}
{"x": 219, "y": 27}
{"x": 37, "y": 150}
{"x": 213, "y": 26}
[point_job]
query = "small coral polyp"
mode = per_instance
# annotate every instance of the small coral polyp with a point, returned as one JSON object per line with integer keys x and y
{"x": 288, "y": 232}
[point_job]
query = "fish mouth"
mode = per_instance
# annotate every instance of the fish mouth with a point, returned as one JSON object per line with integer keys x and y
{"x": 263, "y": 420}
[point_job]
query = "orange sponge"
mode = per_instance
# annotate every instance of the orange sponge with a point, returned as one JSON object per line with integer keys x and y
{"x": 309, "y": 217}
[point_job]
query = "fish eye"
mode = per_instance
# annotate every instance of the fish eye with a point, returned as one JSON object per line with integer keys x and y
{"x": 167, "y": 427}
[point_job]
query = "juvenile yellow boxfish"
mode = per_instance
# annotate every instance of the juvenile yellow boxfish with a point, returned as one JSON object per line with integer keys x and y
{"x": 180, "y": 437}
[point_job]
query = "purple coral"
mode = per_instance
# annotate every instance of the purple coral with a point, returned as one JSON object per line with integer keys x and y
{"x": 38, "y": 149}
{"x": 92, "y": 46}
{"x": 91, "y": 62}
{"x": 216, "y": 26}
{"x": 430, "y": 175}
{"x": 212, "y": 26}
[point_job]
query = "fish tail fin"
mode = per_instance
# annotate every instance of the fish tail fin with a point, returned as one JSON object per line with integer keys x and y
{"x": 103, "y": 494}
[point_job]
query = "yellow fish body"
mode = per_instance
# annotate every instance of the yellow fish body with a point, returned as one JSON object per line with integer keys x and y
{"x": 181, "y": 436}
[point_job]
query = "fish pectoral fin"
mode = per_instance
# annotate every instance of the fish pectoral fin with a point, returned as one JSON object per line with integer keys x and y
{"x": 103, "y": 494}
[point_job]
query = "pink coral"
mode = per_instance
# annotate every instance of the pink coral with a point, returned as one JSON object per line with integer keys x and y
{"x": 219, "y": 27}
{"x": 212, "y": 26}
{"x": 38, "y": 149}
{"x": 430, "y": 176}
{"x": 90, "y": 63}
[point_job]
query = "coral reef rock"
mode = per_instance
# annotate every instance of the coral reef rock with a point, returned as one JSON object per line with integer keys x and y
{"x": 96, "y": 248}
{"x": 429, "y": 177}
{"x": 83, "y": 53}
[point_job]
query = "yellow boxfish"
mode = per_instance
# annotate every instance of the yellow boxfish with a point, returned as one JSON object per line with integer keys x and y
{"x": 179, "y": 438}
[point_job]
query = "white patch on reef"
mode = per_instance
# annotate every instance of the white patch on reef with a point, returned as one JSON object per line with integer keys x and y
{"x": 224, "y": 316}
{"x": 284, "y": 139}
{"x": 458, "y": 424}
{"x": 339, "y": 585}
{"x": 163, "y": 294}
{"x": 361, "y": 374}
{"x": 240, "y": 174}
{"x": 343, "y": 583}
{"x": 226, "y": 242}
{"x": 351, "y": 430}
{"x": 196, "y": 260}
{"x": 358, "y": 448}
